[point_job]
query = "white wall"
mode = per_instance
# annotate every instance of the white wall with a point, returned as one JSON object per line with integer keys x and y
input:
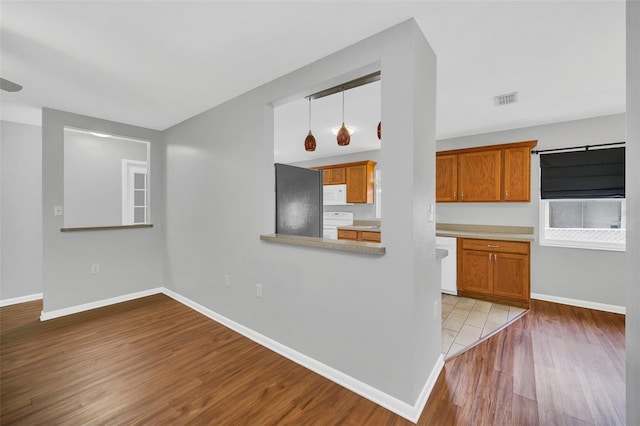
{"x": 21, "y": 210}
{"x": 131, "y": 260}
{"x": 370, "y": 317}
{"x": 585, "y": 275}
{"x": 633, "y": 212}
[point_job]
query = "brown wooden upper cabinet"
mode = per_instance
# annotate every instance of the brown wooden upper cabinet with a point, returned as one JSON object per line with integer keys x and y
{"x": 479, "y": 174}
{"x": 358, "y": 176}
{"x": 517, "y": 173}
{"x": 485, "y": 174}
{"x": 447, "y": 177}
{"x": 334, "y": 176}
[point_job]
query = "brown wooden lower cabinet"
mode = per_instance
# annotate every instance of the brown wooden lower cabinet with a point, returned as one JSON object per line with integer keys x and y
{"x": 494, "y": 270}
{"x": 373, "y": 237}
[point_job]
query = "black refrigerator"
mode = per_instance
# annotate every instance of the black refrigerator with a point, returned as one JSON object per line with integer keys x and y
{"x": 298, "y": 201}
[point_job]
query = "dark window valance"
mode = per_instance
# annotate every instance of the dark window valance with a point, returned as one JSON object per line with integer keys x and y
{"x": 597, "y": 173}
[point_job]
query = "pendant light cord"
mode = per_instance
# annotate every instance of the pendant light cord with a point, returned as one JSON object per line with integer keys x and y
{"x": 343, "y": 106}
{"x": 309, "y": 113}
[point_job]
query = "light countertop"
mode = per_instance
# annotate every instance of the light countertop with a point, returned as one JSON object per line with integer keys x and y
{"x": 326, "y": 243}
{"x": 331, "y": 244}
{"x": 487, "y": 232}
{"x": 366, "y": 228}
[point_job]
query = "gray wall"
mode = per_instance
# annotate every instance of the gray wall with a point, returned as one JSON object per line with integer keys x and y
{"x": 21, "y": 210}
{"x": 131, "y": 260}
{"x": 360, "y": 211}
{"x": 589, "y": 275}
{"x": 633, "y": 212}
{"x": 370, "y": 317}
{"x": 93, "y": 177}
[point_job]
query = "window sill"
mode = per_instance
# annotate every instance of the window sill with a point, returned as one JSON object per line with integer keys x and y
{"x": 581, "y": 245}
{"x": 581, "y": 238}
{"x": 106, "y": 228}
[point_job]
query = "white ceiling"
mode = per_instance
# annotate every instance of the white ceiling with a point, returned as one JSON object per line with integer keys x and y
{"x": 155, "y": 64}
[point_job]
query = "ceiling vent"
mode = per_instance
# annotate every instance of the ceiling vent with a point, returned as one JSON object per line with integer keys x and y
{"x": 509, "y": 98}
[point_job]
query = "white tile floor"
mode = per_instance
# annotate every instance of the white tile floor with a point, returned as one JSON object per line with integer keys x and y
{"x": 465, "y": 321}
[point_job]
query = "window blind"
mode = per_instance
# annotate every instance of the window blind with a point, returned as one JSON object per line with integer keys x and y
{"x": 597, "y": 173}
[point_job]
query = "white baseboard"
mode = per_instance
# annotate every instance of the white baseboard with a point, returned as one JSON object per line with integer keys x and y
{"x": 409, "y": 412}
{"x": 44, "y": 316}
{"x": 21, "y": 299}
{"x": 426, "y": 390}
{"x": 580, "y": 303}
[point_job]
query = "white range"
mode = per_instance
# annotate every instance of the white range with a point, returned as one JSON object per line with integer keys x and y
{"x": 331, "y": 221}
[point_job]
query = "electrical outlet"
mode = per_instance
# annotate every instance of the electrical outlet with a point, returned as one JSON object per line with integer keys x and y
{"x": 259, "y": 290}
{"x": 95, "y": 268}
{"x": 436, "y": 310}
{"x": 227, "y": 281}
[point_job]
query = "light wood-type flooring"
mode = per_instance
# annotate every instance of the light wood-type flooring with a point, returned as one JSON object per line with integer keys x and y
{"x": 155, "y": 361}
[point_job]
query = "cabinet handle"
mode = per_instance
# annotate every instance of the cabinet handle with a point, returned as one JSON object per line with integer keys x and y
{"x": 492, "y": 246}
{"x": 455, "y": 195}
{"x": 462, "y": 195}
{"x": 506, "y": 195}
{"x": 495, "y": 258}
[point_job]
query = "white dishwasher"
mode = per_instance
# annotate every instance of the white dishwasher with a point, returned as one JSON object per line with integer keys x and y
{"x": 449, "y": 266}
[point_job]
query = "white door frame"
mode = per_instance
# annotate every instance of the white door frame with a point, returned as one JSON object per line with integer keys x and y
{"x": 129, "y": 168}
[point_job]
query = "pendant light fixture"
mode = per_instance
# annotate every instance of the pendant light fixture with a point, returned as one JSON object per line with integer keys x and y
{"x": 379, "y": 130}
{"x": 343, "y": 134}
{"x": 310, "y": 141}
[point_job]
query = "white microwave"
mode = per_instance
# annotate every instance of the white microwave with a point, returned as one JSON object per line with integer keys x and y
{"x": 334, "y": 195}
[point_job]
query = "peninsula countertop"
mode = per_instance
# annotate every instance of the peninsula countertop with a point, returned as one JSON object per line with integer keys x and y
{"x": 326, "y": 243}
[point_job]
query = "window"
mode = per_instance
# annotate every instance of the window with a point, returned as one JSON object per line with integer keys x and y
{"x": 582, "y": 199}
{"x": 588, "y": 223}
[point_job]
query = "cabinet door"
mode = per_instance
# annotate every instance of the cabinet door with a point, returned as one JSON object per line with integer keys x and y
{"x": 511, "y": 275}
{"x": 517, "y": 162}
{"x": 480, "y": 175}
{"x": 476, "y": 272}
{"x": 357, "y": 185}
{"x": 446, "y": 177}
{"x": 334, "y": 176}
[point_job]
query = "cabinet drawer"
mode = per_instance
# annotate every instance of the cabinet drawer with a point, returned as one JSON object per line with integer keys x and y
{"x": 347, "y": 235}
{"x": 495, "y": 246}
{"x": 371, "y": 236}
